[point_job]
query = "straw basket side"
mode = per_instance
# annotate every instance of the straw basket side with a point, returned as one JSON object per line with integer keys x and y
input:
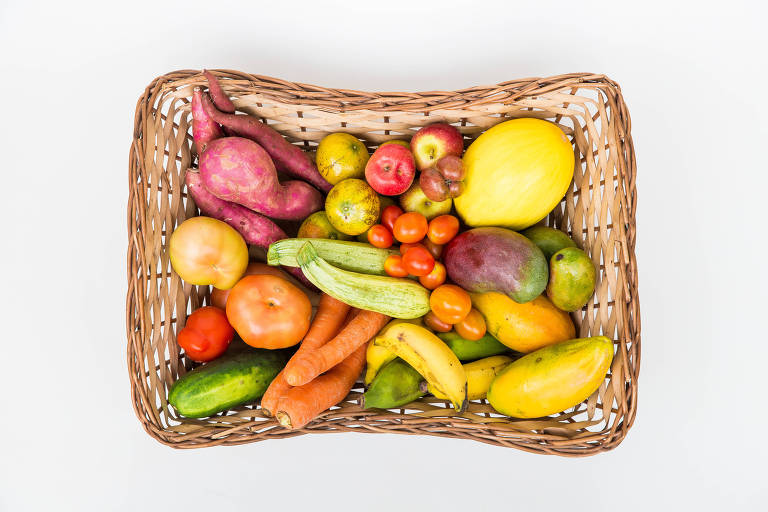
{"x": 598, "y": 212}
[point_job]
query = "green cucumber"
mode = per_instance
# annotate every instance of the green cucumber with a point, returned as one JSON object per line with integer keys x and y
{"x": 392, "y": 296}
{"x": 352, "y": 256}
{"x": 396, "y": 384}
{"x": 468, "y": 350}
{"x": 234, "y": 379}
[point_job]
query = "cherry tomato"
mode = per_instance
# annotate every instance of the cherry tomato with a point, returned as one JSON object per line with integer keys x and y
{"x": 418, "y": 262}
{"x": 442, "y": 229}
{"x": 393, "y": 266}
{"x": 434, "y": 249}
{"x": 206, "y": 335}
{"x": 269, "y": 311}
{"x": 389, "y": 215}
{"x": 472, "y": 327}
{"x": 410, "y": 227}
{"x": 434, "y": 323}
{"x": 450, "y": 303}
{"x": 405, "y": 247}
{"x": 434, "y": 278}
{"x": 379, "y": 236}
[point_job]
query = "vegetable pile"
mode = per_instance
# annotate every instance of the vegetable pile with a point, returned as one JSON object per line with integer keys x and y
{"x": 405, "y": 270}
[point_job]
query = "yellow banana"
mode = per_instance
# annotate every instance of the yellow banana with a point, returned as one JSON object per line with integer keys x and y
{"x": 480, "y": 374}
{"x": 377, "y": 356}
{"x": 429, "y": 356}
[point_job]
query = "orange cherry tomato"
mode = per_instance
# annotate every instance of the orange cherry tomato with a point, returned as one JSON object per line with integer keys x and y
{"x": 389, "y": 215}
{"x": 404, "y": 247}
{"x": 472, "y": 327}
{"x": 379, "y": 236}
{"x": 434, "y": 278}
{"x": 206, "y": 335}
{"x": 219, "y": 297}
{"x": 418, "y": 262}
{"x": 393, "y": 266}
{"x": 442, "y": 229}
{"x": 434, "y": 323}
{"x": 434, "y": 249}
{"x": 269, "y": 311}
{"x": 410, "y": 227}
{"x": 450, "y": 303}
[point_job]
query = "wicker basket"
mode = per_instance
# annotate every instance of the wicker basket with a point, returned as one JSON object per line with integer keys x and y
{"x": 598, "y": 212}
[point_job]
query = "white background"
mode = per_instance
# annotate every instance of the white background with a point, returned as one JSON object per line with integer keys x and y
{"x": 694, "y": 78}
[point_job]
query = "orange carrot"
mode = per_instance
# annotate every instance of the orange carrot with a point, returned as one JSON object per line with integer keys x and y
{"x": 304, "y": 367}
{"x": 330, "y": 316}
{"x": 300, "y": 405}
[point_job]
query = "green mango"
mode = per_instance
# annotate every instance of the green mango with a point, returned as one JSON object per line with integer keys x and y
{"x": 549, "y": 240}
{"x": 572, "y": 278}
{"x": 469, "y": 350}
{"x": 396, "y": 384}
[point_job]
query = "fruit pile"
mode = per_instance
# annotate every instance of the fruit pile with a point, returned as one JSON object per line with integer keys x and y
{"x": 420, "y": 265}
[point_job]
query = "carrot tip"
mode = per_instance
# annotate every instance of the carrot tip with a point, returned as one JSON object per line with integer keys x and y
{"x": 283, "y": 419}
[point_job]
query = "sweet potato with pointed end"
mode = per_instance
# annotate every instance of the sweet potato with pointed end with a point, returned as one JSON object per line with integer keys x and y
{"x": 238, "y": 170}
{"x": 219, "y": 97}
{"x": 204, "y": 129}
{"x": 287, "y": 157}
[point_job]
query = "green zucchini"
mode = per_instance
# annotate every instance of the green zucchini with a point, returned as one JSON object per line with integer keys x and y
{"x": 469, "y": 350}
{"x": 352, "y": 256}
{"x": 392, "y": 296}
{"x": 234, "y": 379}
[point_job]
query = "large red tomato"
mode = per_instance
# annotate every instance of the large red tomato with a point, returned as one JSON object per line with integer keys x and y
{"x": 268, "y": 311}
{"x": 219, "y": 297}
{"x": 206, "y": 335}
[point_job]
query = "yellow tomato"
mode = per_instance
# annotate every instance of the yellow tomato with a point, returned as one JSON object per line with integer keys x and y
{"x": 208, "y": 251}
{"x": 341, "y": 156}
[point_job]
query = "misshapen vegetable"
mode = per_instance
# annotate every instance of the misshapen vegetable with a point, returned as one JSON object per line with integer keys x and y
{"x": 288, "y": 158}
{"x": 204, "y": 129}
{"x": 239, "y": 170}
{"x": 219, "y": 97}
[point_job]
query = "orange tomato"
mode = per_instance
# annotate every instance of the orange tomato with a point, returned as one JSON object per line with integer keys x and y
{"x": 442, "y": 229}
{"x": 206, "y": 335}
{"x": 410, "y": 227}
{"x": 418, "y": 262}
{"x": 268, "y": 311}
{"x": 472, "y": 327}
{"x": 219, "y": 297}
{"x": 393, "y": 266}
{"x": 434, "y": 278}
{"x": 450, "y": 303}
{"x": 434, "y": 323}
{"x": 379, "y": 236}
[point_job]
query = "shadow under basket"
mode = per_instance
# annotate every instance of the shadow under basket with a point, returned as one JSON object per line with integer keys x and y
{"x": 598, "y": 212}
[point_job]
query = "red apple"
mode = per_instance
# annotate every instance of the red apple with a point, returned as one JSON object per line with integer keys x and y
{"x": 390, "y": 170}
{"x": 444, "y": 180}
{"x": 435, "y": 141}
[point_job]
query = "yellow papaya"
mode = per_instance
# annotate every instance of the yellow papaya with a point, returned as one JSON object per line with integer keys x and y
{"x": 551, "y": 379}
{"x": 523, "y": 327}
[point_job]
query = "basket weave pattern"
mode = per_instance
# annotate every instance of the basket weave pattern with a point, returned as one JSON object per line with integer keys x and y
{"x": 598, "y": 212}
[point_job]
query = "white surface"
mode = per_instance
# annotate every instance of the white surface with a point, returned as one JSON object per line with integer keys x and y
{"x": 694, "y": 79}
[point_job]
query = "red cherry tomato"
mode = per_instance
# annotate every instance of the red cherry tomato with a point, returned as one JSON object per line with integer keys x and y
{"x": 410, "y": 227}
{"x": 379, "y": 236}
{"x": 434, "y": 323}
{"x": 472, "y": 327}
{"x": 434, "y": 249}
{"x": 442, "y": 229}
{"x": 418, "y": 262}
{"x": 393, "y": 266}
{"x": 450, "y": 303}
{"x": 206, "y": 335}
{"x": 389, "y": 215}
{"x": 434, "y": 278}
{"x": 405, "y": 247}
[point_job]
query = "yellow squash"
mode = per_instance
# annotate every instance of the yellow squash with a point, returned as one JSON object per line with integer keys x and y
{"x": 552, "y": 379}
{"x": 523, "y": 327}
{"x": 517, "y": 172}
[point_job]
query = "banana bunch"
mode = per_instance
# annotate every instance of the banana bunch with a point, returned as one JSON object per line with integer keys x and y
{"x": 377, "y": 356}
{"x": 429, "y": 356}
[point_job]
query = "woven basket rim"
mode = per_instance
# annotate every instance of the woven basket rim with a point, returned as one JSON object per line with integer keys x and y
{"x": 345, "y": 101}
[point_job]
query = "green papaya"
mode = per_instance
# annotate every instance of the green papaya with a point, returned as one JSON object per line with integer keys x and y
{"x": 396, "y": 384}
{"x": 549, "y": 240}
{"x": 572, "y": 278}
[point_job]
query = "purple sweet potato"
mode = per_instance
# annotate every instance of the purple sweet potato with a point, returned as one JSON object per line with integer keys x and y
{"x": 204, "y": 129}
{"x": 219, "y": 97}
{"x": 287, "y": 157}
{"x": 240, "y": 171}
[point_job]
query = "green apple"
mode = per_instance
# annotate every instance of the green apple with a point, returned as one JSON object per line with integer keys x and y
{"x": 414, "y": 200}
